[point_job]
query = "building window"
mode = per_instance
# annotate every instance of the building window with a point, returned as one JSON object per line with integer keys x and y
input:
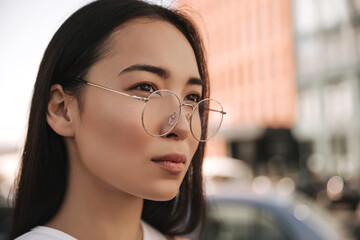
{"x": 306, "y": 16}
{"x": 338, "y": 104}
{"x": 309, "y": 110}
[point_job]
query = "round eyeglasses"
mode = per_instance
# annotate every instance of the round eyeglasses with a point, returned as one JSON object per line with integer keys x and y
{"x": 162, "y": 110}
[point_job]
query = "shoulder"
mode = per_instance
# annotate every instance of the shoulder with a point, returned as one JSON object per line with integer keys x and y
{"x": 45, "y": 233}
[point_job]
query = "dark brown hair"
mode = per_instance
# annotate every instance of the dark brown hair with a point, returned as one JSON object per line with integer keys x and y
{"x": 76, "y": 46}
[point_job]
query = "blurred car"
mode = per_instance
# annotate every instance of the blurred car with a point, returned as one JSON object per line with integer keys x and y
{"x": 5, "y": 221}
{"x": 245, "y": 217}
{"x": 241, "y": 207}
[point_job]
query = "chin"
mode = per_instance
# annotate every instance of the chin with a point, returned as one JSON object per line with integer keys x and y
{"x": 162, "y": 197}
{"x": 163, "y": 194}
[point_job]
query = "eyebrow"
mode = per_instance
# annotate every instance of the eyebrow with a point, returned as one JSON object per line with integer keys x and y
{"x": 196, "y": 81}
{"x": 159, "y": 71}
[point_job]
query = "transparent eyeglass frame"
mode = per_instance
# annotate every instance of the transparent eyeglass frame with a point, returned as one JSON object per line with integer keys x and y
{"x": 189, "y": 117}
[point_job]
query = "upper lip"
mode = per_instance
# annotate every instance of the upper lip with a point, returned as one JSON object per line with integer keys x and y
{"x": 171, "y": 157}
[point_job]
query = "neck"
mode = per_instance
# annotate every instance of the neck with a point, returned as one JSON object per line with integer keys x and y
{"x": 92, "y": 209}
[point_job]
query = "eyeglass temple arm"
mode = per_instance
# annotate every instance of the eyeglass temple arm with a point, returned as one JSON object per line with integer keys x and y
{"x": 111, "y": 90}
{"x": 214, "y": 110}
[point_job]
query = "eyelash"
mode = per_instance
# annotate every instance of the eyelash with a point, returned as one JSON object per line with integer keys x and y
{"x": 191, "y": 97}
{"x": 140, "y": 86}
{"x": 194, "y": 97}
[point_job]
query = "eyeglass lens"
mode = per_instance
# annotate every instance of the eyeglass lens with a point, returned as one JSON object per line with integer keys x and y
{"x": 162, "y": 111}
{"x": 207, "y": 111}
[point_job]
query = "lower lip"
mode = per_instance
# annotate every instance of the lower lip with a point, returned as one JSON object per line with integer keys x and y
{"x": 173, "y": 167}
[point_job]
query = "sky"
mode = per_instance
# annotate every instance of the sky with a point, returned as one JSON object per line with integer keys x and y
{"x": 26, "y": 28}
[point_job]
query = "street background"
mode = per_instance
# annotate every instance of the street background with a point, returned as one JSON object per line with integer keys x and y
{"x": 287, "y": 73}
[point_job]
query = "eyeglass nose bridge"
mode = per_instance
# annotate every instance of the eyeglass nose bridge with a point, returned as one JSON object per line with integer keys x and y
{"x": 188, "y": 116}
{"x": 174, "y": 117}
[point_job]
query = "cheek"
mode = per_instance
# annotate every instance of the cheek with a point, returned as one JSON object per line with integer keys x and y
{"x": 109, "y": 137}
{"x": 112, "y": 125}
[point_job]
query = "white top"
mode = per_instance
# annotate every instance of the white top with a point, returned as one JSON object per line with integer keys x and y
{"x": 47, "y": 233}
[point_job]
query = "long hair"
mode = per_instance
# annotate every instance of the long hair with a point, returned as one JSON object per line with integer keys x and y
{"x": 80, "y": 42}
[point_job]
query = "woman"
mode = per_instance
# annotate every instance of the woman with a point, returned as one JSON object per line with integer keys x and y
{"x": 117, "y": 128}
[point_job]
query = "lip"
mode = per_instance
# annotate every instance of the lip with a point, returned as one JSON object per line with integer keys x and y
{"x": 173, "y": 162}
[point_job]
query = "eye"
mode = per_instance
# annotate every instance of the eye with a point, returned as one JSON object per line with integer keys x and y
{"x": 194, "y": 97}
{"x": 145, "y": 87}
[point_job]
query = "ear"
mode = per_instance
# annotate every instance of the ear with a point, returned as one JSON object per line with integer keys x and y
{"x": 60, "y": 111}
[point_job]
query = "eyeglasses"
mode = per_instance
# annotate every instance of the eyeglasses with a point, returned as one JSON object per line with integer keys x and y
{"x": 162, "y": 110}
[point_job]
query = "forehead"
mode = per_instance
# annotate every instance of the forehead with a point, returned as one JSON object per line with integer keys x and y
{"x": 155, "y": 42}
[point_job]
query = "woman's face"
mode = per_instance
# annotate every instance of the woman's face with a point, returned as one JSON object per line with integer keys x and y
{"x": 111, "y": 142}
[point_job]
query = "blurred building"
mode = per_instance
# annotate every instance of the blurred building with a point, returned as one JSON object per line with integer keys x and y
{"x": 251, "y": 64}
{"x": 327, "y": 36}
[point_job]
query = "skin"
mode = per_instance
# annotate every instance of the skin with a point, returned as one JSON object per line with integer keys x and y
{"x": 110, "y": 154}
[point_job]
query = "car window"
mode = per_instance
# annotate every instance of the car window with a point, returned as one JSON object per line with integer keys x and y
{"x": 227, "y": 221}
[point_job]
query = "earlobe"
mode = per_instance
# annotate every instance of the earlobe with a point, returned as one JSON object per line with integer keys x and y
{"x": 59, "y": 112}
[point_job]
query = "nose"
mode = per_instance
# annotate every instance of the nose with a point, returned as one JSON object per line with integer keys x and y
{"x": 182, "y": 128}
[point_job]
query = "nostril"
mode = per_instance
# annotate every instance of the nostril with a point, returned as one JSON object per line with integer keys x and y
{"x": 171, "y": 135}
